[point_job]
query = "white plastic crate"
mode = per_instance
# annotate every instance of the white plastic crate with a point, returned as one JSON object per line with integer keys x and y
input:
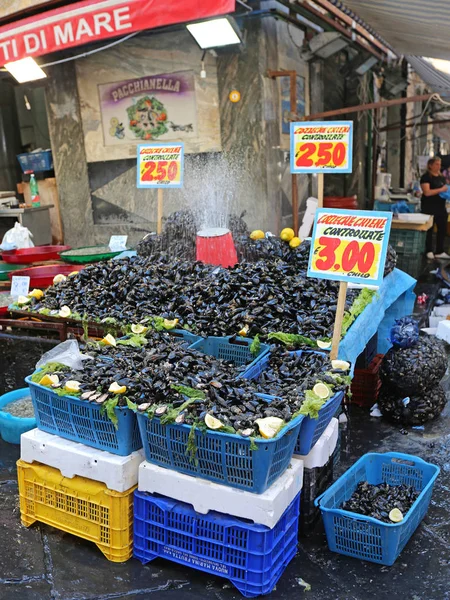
{"x": 118, "y": 473}
{"x": 443, "y": 331}
{"x": 324, "y": 447}
{"x": 263, "y": 509}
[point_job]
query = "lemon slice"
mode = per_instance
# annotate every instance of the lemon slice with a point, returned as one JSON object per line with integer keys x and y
{"x": 212, "y": 422}
{"x": 72, "y": 273}
{"x": 287, "y": 234}
{"x": 269, "y": 427}
{"x": 137, "y": 328}
{"x": 396, "y": 515}
{"x": 49, "y": 380}
{"x": 65, "y": 312}
{"x": 72, "y": 386}
{"x": 323, "y": 345}
{"x": 38, "y": 294}
{"x": 109, "y": 340}
{"x": 59, "y": 278}
{"x": 170, "y": 324}
{"x": 342, "y": 365}
{"x": 116, "y": 388}
{"x": 243, "y": 332}
{"x": 321, "y": 390}
{"x": 21, "y": 300}
{"x": 295, "y": 242}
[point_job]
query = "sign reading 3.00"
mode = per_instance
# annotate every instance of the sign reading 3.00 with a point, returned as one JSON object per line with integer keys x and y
{"x": 349, "y": 245}
{"x": 321, "y": 147}
{"x": 160, "y": 165}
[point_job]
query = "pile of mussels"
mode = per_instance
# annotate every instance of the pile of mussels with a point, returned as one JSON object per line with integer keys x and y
{"x": 378, "y": 501}
{"x": 161, "y": 376}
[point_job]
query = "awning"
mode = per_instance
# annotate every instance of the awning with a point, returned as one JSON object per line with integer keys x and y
{"x": 437, "y": 80}
{"x": 92, "y": 20}
{"x": 412, "y": 27}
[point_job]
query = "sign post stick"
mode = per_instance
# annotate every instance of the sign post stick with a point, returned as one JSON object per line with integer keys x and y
{"x": 160, "y": 210}
{"x": 338, "y": 321}
{"x": 320, "y": 190}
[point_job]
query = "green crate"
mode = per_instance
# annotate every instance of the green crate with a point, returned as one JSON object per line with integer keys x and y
{"x": 410, "y": 263}
{"x": 408, "y": 241}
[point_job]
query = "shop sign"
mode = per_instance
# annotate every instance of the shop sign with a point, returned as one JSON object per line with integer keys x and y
{"x": 94, "y": 20}
{"x": 118, "y": 242}
{"x": 349, "y": 246}
{"x": 20, "y": 286}
{"x": 321, "y": 147}
{"x": 160, "y": 165}
{"x": 148, "y": 108}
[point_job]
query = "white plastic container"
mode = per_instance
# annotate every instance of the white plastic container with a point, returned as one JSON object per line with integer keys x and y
{"x": 118, "y": 473}
{"x": 434, "y": 321}
{"x": 323, "y": 448}
{"x": 441, "y": 311}
{"x": 264, "y": 509}
{"x": 443, "y": 331}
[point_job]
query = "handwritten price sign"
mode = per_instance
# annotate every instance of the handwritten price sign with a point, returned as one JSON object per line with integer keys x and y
{"x": 349, "y": 246}
{"x": 160, "y": 165}
{"x": 321, "y": 147}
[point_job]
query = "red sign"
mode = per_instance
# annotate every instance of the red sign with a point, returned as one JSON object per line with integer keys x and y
{"x": 92, "y": 20}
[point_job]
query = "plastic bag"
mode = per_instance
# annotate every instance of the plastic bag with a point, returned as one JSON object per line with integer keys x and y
{"x": 68, "y": 353}
{"x": 404, "y": 333}
{"x": 16, "y": 238}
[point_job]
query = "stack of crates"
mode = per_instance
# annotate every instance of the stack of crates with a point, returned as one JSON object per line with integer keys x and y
{"x": 366, "y": 384}
{"x": 410, "y": 246}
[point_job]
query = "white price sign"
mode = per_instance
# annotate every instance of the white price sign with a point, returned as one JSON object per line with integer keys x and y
{"x": 118, "y": 242}
{"x": 20, "y": 286}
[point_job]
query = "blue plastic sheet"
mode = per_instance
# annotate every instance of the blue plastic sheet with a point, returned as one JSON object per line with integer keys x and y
{"x": 395, "y": 299}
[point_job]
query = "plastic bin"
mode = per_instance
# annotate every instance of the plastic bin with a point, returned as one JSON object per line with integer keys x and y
{"x": 235, "y": 350}
{"x": 253, "y": 557}
{"x": 82, "y": 421}
{"x": 79, "y": 506}
{"x": 221, "y": 457}
{"x": 36, "y": 161}
{"x": 368, "y": 354}
{"x": 11, "y": 428}
{"x": 408, "y": 241}
{"x": 315, "y": 482}
{"x": 366, "y": 384}
{"x": 367, "y": 538}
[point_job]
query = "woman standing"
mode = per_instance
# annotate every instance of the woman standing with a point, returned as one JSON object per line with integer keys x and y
{"x": 433, "y": 184}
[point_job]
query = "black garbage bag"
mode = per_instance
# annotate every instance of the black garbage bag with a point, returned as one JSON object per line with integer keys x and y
{"x": 412, "y": 410}
{"x": 413, "y": 370}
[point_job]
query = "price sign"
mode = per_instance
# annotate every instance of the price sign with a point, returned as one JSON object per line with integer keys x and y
{"x": 20, "y": 286}
{"x": 118, "y": 242}
{"x": 349, "y": 246}
{"x": 160, "y": 165}
{"x": 321, "y": 147}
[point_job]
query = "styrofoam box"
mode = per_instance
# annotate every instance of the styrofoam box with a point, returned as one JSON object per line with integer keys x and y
{"x": 118, "y": 473}
{"x": 324, "y": 447}
{"x": 443, "y": 331}
{"x": 434, "y": 321}
{"x": 441, "y": 311}
{"x": 263, "y": 509}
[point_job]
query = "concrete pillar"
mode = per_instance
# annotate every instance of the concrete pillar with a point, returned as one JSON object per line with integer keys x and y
{"x": 69, "y": 158}
{"x": 9, "y": 139}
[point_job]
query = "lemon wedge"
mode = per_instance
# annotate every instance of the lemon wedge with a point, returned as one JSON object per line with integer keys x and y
{"x": 323, "y": 345}
{"x": 287, "y": 234}
{"x": 38, "y": 294}
{"x": 295, "y": 242}
{"x": 49, "y": 380}
{"x": 109, "y": 340}
{"x": 21, "y": 300}
{"x": 59, "y": 278}
{"x": 116, "y": 388}
{"x": 257, "y": 234}
{"x": 243, "y": 332}
{"x": 269, "y": 427}
{"x": 137, "y": 328}
{"x": 72, "y": 273}
{"x": 212, "y": 422}
{"x": 321, "y": 390}
{"x": 65, "y": 312}
{"x": 72, "y": 386}
{"x": 396, "y": 515}
{"x": 341, "y": 365}
{"x": 170, "y": 324}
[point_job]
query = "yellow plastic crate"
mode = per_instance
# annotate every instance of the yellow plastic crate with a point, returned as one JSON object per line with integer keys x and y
{"x": 80, "y": 506}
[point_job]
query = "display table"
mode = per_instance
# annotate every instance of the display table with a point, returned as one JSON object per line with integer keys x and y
{"x": 399, "y": 224}
{"x": 37, "y": 220}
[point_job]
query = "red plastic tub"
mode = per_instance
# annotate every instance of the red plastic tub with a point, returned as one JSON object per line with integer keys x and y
{"x": 42, "y": 277}
{"x": 347, "y": 202}
{"x": 30, "y": 255}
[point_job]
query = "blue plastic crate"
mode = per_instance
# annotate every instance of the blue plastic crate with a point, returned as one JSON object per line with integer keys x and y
{"x": 364, "y": 537}
{"x": 311, "y": 429}
{"x": 221, "y": 457}
{"x": 187, "y": 336}
{"x": 253, "y": 557}
{"x": 11, "y": 428}
{"x": 36, "y": 161}
{"x": 83, "y": 422}
{"x": 227, "y": 348}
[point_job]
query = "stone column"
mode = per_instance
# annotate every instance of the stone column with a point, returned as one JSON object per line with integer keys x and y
{"x": 69, "y": 158}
